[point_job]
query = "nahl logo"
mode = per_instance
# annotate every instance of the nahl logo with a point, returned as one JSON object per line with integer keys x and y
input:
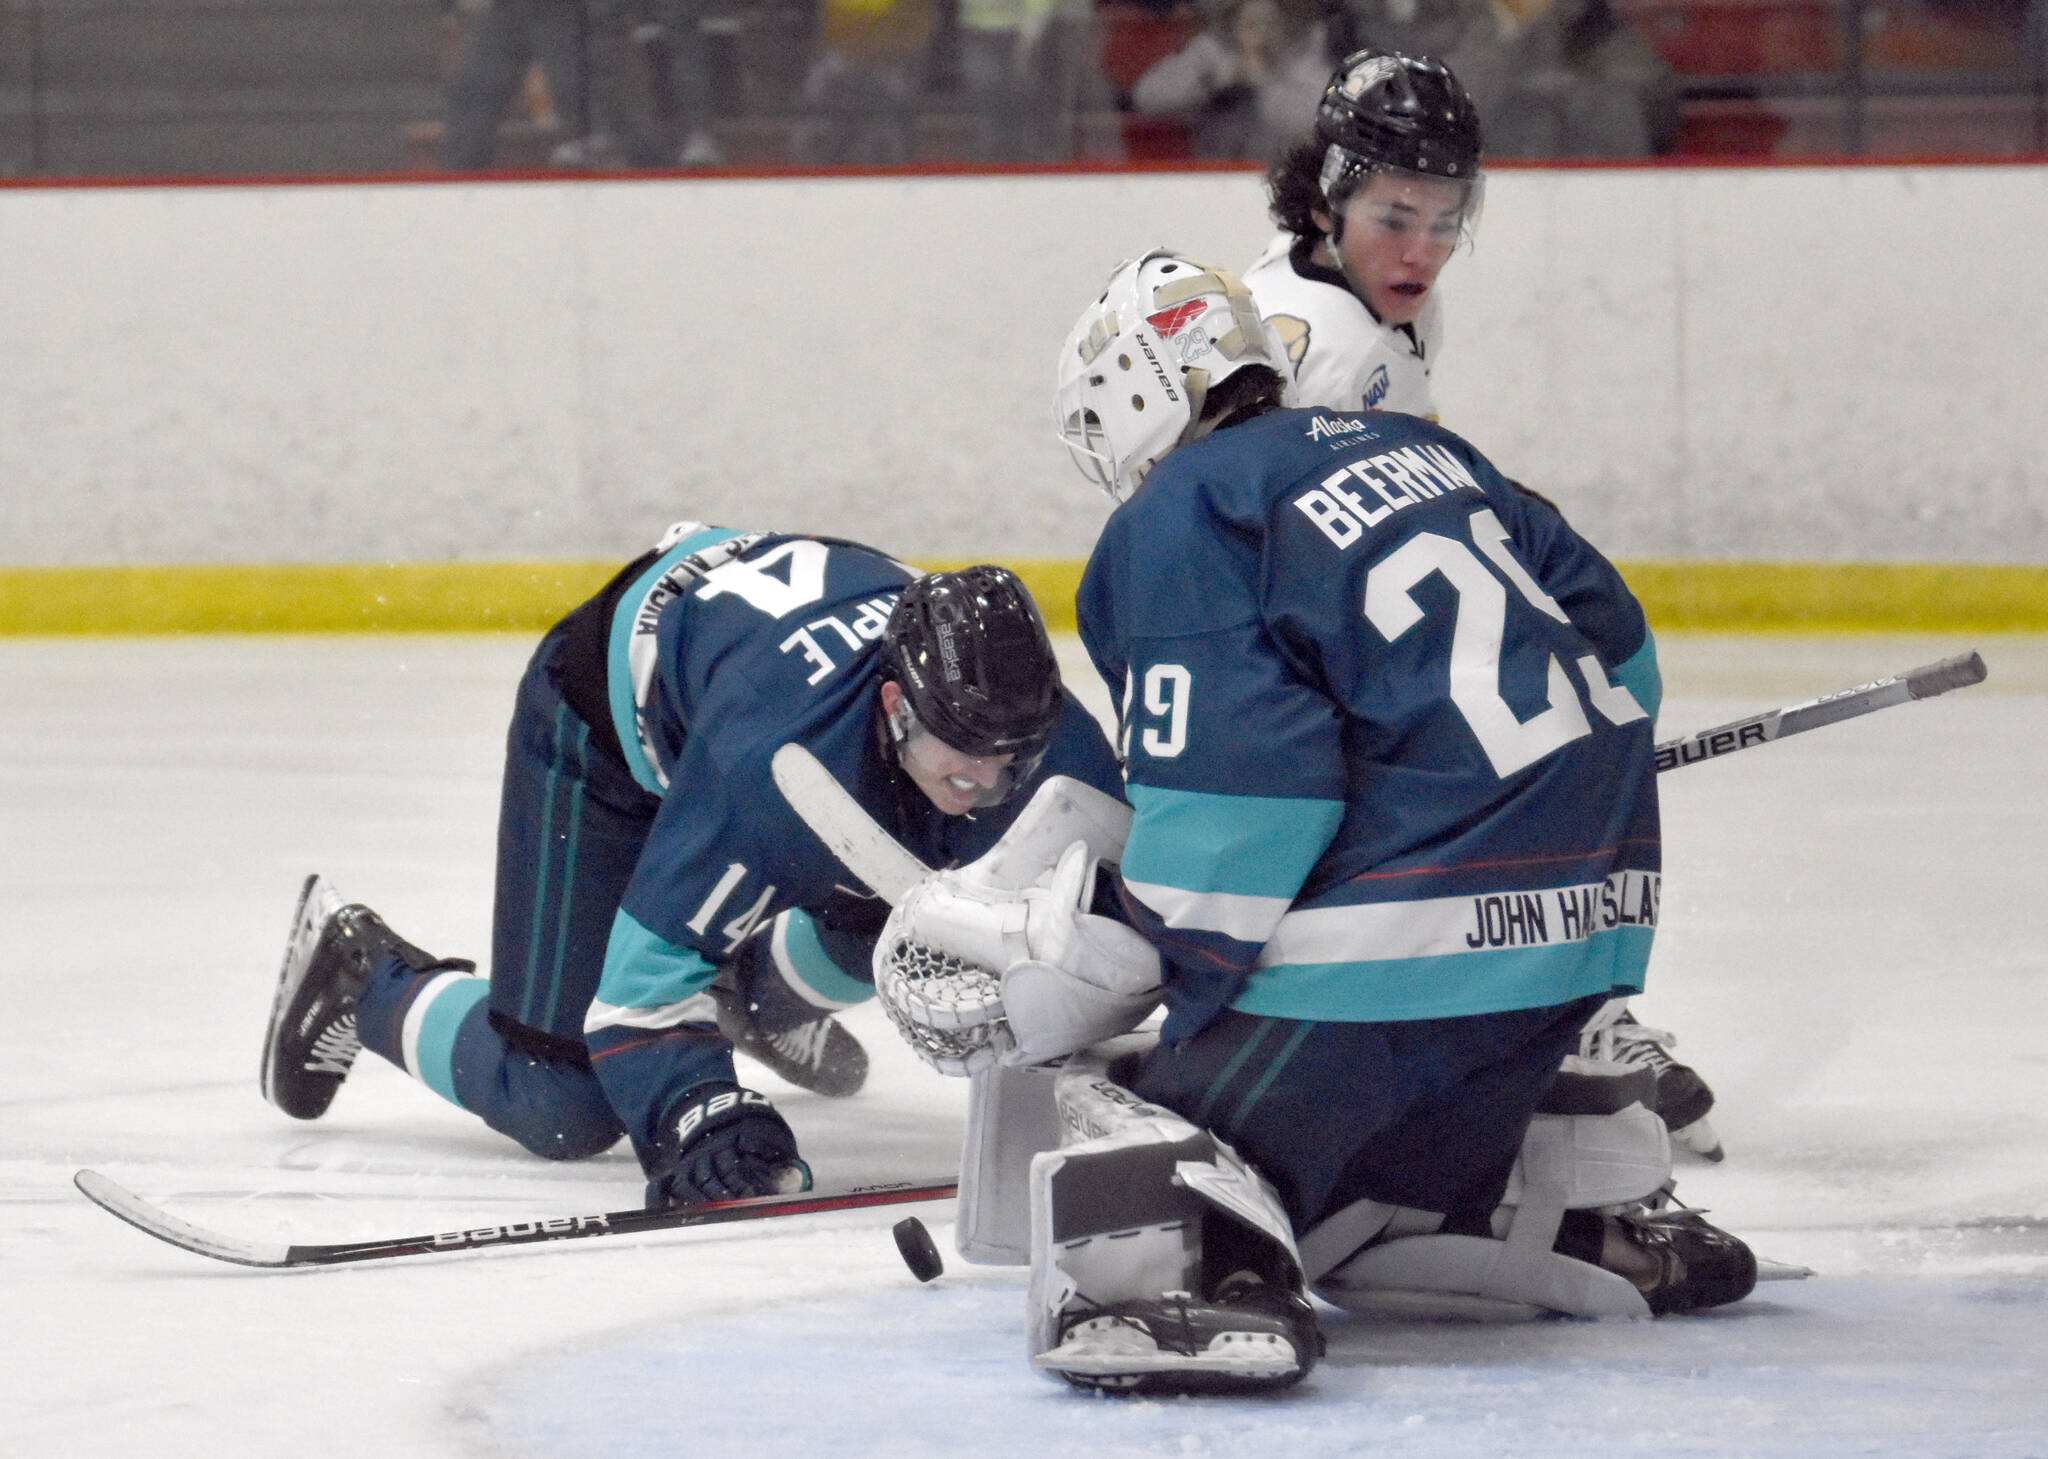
{"x": 1377, "y": 387}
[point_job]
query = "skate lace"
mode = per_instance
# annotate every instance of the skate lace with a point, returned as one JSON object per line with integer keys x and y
{"x": 1629, "y": 1042}
{"x": 334, "y": 1052}
{"x": 805, "y": 1043}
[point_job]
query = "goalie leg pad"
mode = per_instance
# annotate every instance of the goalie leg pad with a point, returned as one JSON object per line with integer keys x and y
{"x": 1160, "y": 1261}
{"x": 1567, "y": 1162}
{"x": 1477, "y": 1279}
{"x": 1592, "y": 1160}
{"x": 1011, "y": 1117}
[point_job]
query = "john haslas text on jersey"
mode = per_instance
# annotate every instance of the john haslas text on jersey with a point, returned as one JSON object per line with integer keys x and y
{"x": 1523, "y": 919}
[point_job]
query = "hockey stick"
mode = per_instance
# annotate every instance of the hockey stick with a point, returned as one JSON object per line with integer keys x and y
{"x": 878, "y": 859}
{"x": 1774, "y": 724}
{"x": 116, "y": 1199}
{"x": 844, "y": 825}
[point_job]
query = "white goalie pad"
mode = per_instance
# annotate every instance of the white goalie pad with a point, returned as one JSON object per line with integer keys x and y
{"x": 1567, "y": 1162}
{"x": 1583, "y": 1161}
{"x": 1117, "y": 1211}
{"x": 1477, "y": 1279}
{"x": 1011, "y": 1116}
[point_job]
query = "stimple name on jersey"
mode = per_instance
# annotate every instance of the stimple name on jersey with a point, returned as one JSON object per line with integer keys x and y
{"x": 1397, "y": 479}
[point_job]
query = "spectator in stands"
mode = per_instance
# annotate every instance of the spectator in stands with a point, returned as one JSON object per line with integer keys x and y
{"x": 589, "y": 52}
{"x": 1030, "y": 68}
{"x": 1554, "y": 78}
{"x": 1249, "y": 83}
{"x": 668, "y": 35}
{"x": 1405, "y": 27}
{"x": 865, "y": 85}
{"x": 500, "y": 41}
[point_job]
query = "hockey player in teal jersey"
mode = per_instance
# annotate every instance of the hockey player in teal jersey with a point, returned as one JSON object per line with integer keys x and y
{"x": 1386, "y": 721}
{"x": 1371, "y": 204}
{"x": 657, "y": 902}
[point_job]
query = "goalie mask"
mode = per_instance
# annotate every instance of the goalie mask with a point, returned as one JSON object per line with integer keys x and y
{"x": 1384, "y": 112}
{"x": 976, "y": 667}
{"x": 1142, "y": 358}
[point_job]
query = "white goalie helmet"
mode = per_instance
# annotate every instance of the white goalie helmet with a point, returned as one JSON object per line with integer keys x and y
{"x": 1142, "y": 358}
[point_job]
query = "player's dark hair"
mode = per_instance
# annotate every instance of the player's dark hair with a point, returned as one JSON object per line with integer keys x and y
{"x": 1243, "y": 395}
{"x": 1294, "y": 188}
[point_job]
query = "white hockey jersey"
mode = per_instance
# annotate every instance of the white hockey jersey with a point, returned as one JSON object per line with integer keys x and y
{"x": 1343, "y": 357}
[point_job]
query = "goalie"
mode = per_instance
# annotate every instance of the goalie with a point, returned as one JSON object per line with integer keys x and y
{"x": 1387, "y": 725}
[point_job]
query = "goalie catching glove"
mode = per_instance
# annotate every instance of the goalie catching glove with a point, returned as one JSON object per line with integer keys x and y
{"x": 973, "y": 975}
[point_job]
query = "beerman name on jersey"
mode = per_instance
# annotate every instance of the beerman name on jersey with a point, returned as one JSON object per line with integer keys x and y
{"x": 1387, "y": 724}
{"x": 1396, "y": 480}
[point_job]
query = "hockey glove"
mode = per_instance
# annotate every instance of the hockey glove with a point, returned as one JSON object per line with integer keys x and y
{"x": 972, "y": 976}
{"x": 724, "y": 1144}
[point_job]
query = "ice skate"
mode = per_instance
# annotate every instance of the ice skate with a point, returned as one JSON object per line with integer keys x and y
{"x": 1683, "y": 1098}
{"x": 1248, "y": 1339}
{"x": 311, "y": 1043}
{"x": 792, "y": 1039}
{"x": 1674, "y": 1256}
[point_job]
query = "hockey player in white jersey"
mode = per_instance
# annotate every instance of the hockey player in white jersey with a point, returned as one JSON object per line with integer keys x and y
{"x": 1371, "y": 205}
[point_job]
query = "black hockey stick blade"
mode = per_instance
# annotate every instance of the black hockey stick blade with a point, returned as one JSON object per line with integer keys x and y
{"x": 118, "y": 1200}
{"x": 1774, "y": 724}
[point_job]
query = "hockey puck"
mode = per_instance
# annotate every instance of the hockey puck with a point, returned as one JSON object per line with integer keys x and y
{"x": 920, "y": 1254}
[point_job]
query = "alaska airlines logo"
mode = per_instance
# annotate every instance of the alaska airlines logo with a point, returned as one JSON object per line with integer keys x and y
{"x": 1326, "y": 426}
{"x": 1170, "y": 322}
{"x": 1377, "y": 387}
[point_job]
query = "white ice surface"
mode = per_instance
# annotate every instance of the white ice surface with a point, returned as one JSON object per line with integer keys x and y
{"x": 1852, "y": 950}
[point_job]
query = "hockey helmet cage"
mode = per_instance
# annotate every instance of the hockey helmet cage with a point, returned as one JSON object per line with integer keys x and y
{"x": 976, "y": 665}
{"x": 1141, "y": 359}
{"x": 1387, "y": 112}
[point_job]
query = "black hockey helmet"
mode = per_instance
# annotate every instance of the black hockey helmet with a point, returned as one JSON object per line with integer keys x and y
{"x": 975, "y": 663}
{"x": 1383, "y": 110}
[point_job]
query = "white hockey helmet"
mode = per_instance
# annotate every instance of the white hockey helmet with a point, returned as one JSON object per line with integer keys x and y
{"x": 1142, "y": 358}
